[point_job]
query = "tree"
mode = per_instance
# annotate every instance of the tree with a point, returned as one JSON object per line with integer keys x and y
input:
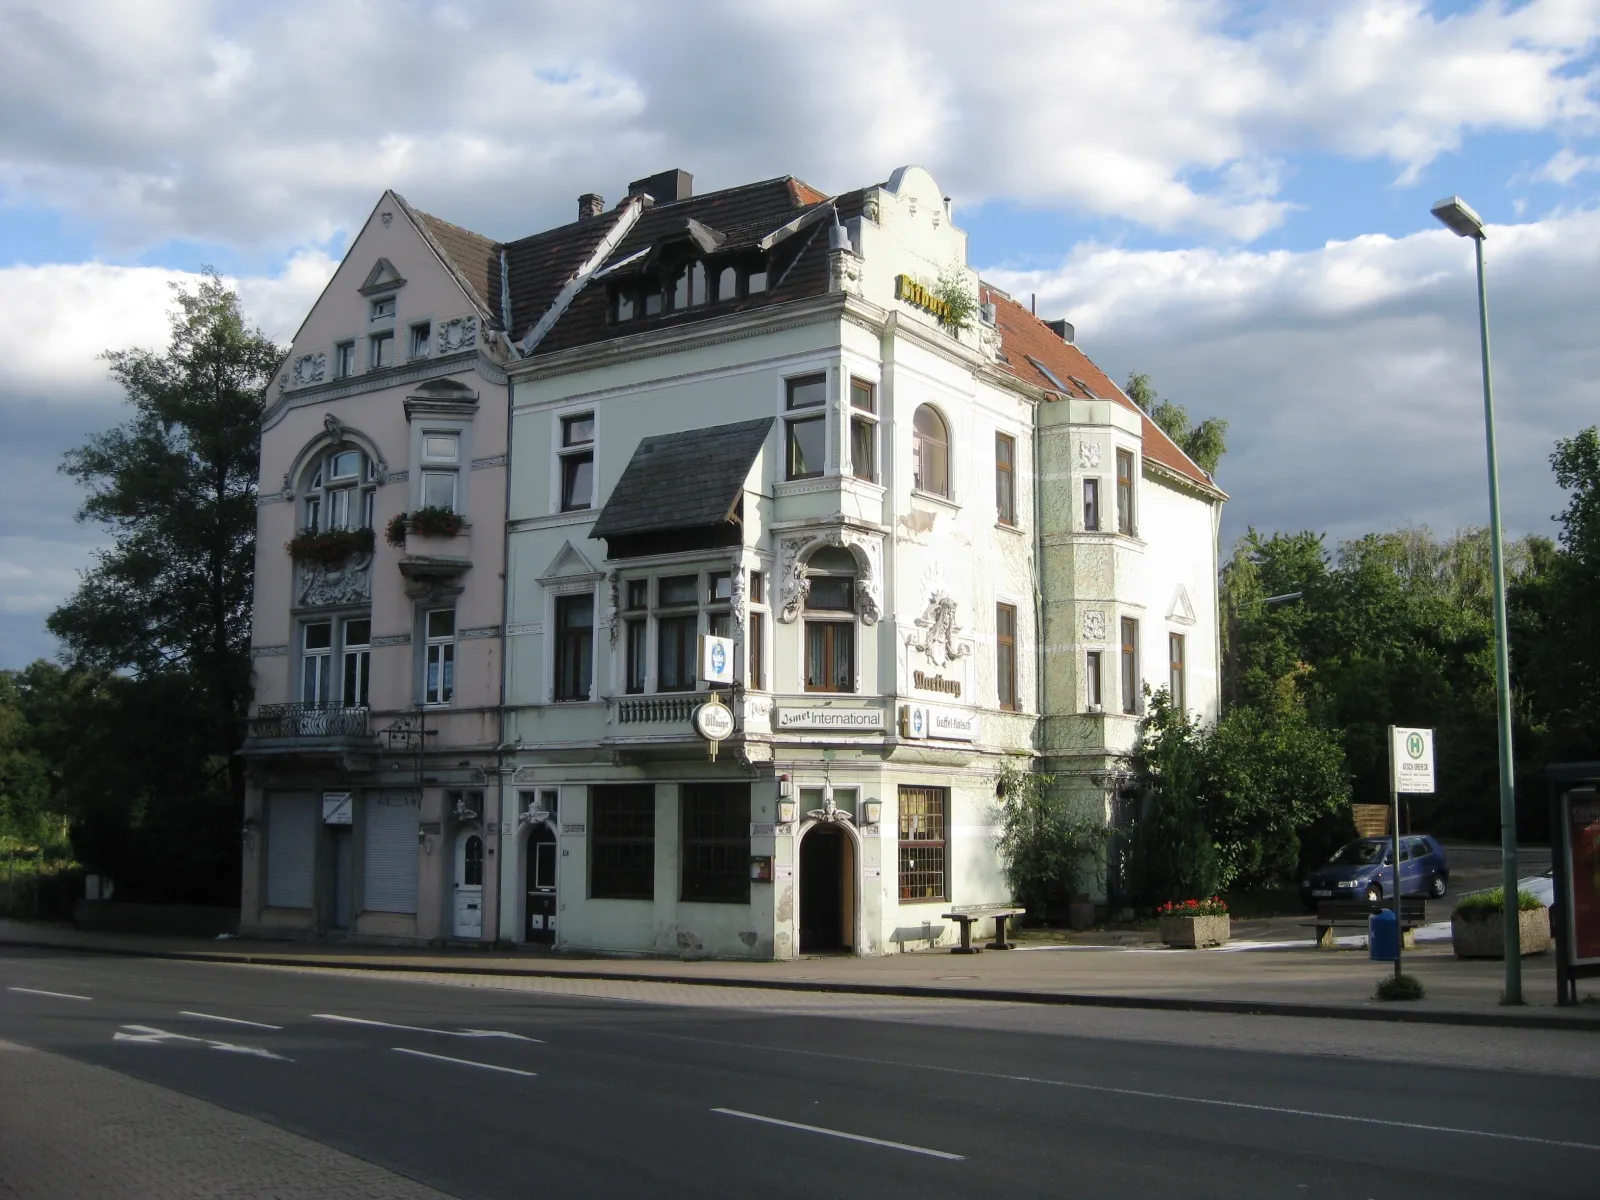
{"x": 1047, "y": 845}
{"x": 1171, "y": 852}
{"x": 157, "y": 634}
{"x": 1205, "y": 443}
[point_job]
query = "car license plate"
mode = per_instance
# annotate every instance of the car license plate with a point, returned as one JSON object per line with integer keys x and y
{"x": 1322, "y": 892}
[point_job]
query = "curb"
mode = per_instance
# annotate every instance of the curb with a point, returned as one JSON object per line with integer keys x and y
{"x": 1509, "y": 1019}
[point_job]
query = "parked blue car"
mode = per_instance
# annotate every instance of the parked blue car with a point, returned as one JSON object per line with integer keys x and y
{"x": 1364, "y": 870}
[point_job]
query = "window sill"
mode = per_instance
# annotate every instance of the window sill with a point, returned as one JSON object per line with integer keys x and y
{"x": 1016, "y": 529}
{"x": 935, "y": 498}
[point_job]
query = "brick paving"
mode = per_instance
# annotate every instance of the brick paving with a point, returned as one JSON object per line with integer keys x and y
{"x": 69, "y": 1130}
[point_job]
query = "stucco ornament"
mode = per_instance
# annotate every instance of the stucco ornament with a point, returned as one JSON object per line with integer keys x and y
{"x": 737, "y": 601}
{"x": 937, "y": 634}
{"x": 613, "y": 608}
{"x": 1094, "y": 625}
{"x": 334, "y": 426}
{"x": 457, "y": 334}
{"x": 310, "y": 368}
{"x": 348, "y": 583}
{"x": 830, "y": 812}
{"x": 793, "y": 586}
{"x": 1088, "y": 453}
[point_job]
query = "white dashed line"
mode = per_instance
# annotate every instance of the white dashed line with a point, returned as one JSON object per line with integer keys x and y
{"x": 460, "y": 1033}
{"x": 42, "y": 992}
{"x": 839, "y": 1133}
{"x": 465, "y": 1062}
{"x": 229, "y": 1020}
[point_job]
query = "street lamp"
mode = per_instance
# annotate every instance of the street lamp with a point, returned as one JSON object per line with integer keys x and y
{"x": 1457, "y": 216}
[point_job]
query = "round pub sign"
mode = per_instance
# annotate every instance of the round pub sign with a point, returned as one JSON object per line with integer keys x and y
{"x": 713, "y": 720}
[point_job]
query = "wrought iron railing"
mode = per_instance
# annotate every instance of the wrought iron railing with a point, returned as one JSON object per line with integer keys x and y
{"x": 301, "y": 720}
{"x": 638, "y": 710}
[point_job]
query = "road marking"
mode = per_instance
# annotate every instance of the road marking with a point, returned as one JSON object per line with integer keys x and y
{"x": 42, "y": 992}
{"x": 460, "y": 1033}
{"x": 1107, "y": 1090}
{"x": 149, "y": 1035}
{"x": 465, "y": 1062}
{"x": 229, "y": 1020}
{"x": 839, "y": 1133}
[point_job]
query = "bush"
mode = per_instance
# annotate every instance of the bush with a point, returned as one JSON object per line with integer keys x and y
{"x": 1494, "y": 901}
{"x": 1400, "y": 987}
{"x": 1047, "y": 849}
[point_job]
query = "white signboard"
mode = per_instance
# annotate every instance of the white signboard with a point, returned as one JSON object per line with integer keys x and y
{"x": 863, "y": 720}
{"x": 336, "y": 808}
{"x": 1412, "y": 756}
{"x": 716, "y": 659}
{"x": 932, "y": 721}
{"x": 713, "y": 721}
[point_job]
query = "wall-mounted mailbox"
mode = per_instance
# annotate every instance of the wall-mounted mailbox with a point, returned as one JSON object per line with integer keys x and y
{"x": 761, "y": 868}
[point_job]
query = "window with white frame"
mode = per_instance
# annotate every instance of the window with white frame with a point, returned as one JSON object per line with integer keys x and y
{"x": 336, "y": 661}
{"x": 863, "y": 430}
{"x": 439, "y": 662}
{"x": 677, "y": 627}
{"x": 344, "y": 360}
{"x": 756, "y": 619}
{"x": 930, "y": 452}
{"x": 383, "y": 308}
{"x": 576, "y": 459}
{"x": 339, "y": 491}
{"x": 441, "y": 467}
{"x": 636, "y": 635}
{"x": 380, "y": 350}
{"x": 316, "y": 662}
{"x": 830, "y": 621}
{"x": 668, "y": 613}
{"x": 357, "y": 664}
{"x": 421, "y": 335}
{"x": 805, "y": 426}
{"x": 574, "y": 646}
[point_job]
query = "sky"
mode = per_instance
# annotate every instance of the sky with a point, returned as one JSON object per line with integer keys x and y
{"x": 1229, "y": 196}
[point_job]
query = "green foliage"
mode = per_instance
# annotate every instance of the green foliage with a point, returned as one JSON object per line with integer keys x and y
{"x": 961, "y": 305}
{"x": 435, "y": 521}
{"x": 1205, "y": 443}
{"x": 1493, "y": 902}
{"x": 1399, "y": 987}
{"x": 330, "y": 547}
{"x": 26, "y": 815}
{"x": 1171, "y": 854}
{"x": 1048, "y": 847}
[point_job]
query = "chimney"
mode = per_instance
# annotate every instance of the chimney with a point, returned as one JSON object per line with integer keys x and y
{"x": 1063, "y": 330}
{"x": 590, "y": 205}
{"x": 665, "y": 187}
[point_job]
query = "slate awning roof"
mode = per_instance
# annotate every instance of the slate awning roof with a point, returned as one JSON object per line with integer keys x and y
{"x": 683, "y": 481}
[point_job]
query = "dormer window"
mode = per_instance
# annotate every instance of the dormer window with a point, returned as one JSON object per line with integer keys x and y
{"x": 383, "y": 309}
{"x": 688, "y": 285}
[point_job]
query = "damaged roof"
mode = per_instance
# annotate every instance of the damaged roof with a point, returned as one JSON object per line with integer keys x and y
{"x": 1036, "y": 354}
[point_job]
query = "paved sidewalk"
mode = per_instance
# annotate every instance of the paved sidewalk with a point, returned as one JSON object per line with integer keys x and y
{"x": 70, "y": 1130}
{"x": 1294, "y": 982}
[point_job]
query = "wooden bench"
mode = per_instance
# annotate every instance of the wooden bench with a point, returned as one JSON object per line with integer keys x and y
{"x": 1333, "y": 913}
{"x": 968, "y": 913}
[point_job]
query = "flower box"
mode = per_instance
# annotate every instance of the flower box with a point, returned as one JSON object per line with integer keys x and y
{"x": 1483, "y": 934}
{"x": 1191, "y": 933}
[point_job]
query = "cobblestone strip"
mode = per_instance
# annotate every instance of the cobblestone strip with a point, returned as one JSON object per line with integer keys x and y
{"x": 70, "y": 1130}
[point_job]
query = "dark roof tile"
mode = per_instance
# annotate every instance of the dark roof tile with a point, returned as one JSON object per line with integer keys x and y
{"x": 687, "y": 480}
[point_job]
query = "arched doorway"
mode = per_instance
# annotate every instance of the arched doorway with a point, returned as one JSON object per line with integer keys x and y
{"x": 539, "y": 860}
{"x": 827, "y": 890}
{"x": 468, "y": 920}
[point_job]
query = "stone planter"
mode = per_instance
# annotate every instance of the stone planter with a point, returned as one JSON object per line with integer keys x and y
{"x": 421, "y": 545}
{"x": 1191, "y": 933}
{"x": 1483, "y": 935}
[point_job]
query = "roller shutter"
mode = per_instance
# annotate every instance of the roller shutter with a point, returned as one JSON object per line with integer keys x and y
{"x": 389, "y": 860}
{"x": 291, "y": 850}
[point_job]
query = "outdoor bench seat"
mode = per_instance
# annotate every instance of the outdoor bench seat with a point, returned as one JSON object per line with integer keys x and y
{"x": 1354, "y": 913}
{"x": 966, "y": 914}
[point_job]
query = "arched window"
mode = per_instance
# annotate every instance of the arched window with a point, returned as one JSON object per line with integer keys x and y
{"x": 339, "y": 490}
{"x": 930, "y": 452}
{"x": 830, "y": 621}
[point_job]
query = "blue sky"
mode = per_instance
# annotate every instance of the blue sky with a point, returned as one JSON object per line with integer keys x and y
{"x": 1232, "y": 196}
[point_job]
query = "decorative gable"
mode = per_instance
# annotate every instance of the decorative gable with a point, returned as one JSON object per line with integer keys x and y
{"x": 1180, "y": 611}
{"x": 382, "y": 278}
{"x": 569, "y": 566}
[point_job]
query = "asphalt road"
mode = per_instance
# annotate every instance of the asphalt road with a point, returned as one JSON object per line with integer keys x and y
{"x": 481, "y": 1092}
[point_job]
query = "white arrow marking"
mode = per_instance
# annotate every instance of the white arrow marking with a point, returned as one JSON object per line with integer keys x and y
{"x": 152, "y": 1036}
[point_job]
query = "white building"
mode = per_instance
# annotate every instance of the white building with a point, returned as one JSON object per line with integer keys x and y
{"x": 746, "y": 414}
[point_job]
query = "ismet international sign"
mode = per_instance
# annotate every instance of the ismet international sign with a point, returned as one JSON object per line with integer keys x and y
{"x": 1411, "y": 754}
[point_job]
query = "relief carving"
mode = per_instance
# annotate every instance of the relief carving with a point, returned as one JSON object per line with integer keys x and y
{"x": 738, "y": 602}
{"x": 1094, "y": 625}
{"x": 310, "y": 368}
{"x": 457, "y": 334}
{"x": 938, "y": 633}
{"x": 613, "y": 608}
{"x": 793, "y": 586}
{"x": 348, "y": 583}
{"x": 1088, "y": 454}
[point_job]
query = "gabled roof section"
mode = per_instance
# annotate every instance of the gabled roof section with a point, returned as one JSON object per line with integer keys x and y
{"x": 683, "y": 481}
{"x": 472, "y": 258}
{"x": 1035, "y": 354}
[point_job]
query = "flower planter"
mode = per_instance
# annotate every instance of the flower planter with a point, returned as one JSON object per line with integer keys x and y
{"x": 422, "y": 545}
{"x": 1191, "y": 933}
{"x": 1483, "y": 935}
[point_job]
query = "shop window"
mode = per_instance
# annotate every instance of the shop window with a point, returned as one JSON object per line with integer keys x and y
{"x": 622, "y": 842}
{"x": 923, "y": 813}
{"x": 716, "y": 842}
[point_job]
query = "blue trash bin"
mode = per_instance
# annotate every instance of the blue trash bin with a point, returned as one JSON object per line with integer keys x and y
{"x": 1383, "y": 936}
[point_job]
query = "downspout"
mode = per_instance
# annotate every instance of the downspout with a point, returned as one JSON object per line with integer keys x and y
{"x": 1038, "y": 573}
{"x": 505, "y": 618}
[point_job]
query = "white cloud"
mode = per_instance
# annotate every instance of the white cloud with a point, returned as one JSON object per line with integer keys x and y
{"x": 1350, "y": 374}
{"x": 270, "y": 125}
{"x": 1564, "y": 166}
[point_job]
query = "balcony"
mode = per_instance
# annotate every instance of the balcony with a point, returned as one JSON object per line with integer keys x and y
{"x": 675, "y": 709}
{"x": 299, "y": 728}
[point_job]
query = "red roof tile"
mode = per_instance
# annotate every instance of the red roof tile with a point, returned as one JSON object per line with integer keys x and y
{"x": 1029, "y": 344}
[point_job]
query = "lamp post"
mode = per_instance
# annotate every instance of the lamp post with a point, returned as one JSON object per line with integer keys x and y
{"x": 1457, "y": 216}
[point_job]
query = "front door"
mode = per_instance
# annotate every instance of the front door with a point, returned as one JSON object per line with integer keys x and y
{"x": 340, "y": 917}
{"x": 824, "y": 913}
{"x": 469, "y": 886}
{"x": 541, "y": 886}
